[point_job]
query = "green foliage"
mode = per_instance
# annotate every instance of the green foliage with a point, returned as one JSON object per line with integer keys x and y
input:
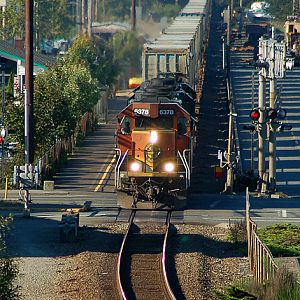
{"x": 234, "y": 293}
{"x": 52, "y": 19}
{"x": 96, "y": 57}
{"x": 14, "y": 16}
{"x": 283, "y": 286}
{"x": 238, "y": 232}
{"x": 278, "y": 8}
{"x": 168, "y": 10}
{"x": 121, "y": 10}
{"x": 127, "y": 50}
{"x": 238, "y": 235}
{"x": 9, "y": 90}
{"x": 282, "y": 239}
{"x": 62, "y": 95}
{"x": 14, "y": 118}
{"x": 8, "y": 267}
{"x": 281, "y": 9}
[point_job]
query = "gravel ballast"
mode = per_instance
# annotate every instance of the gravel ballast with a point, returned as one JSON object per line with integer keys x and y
{"x": 203, "y": 258}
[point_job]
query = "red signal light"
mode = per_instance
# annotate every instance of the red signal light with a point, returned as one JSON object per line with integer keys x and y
{"x": 1, "y": 139}
{"x": 254, "y": 114}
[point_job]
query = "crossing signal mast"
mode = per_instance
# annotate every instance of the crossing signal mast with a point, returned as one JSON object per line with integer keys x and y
{"x": 272, "y": 63}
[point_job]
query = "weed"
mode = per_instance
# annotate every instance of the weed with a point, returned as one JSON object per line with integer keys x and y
{"x": 238, "y": 232}
{"x": 282, "y": 287}
{"x": 281, "y": 239}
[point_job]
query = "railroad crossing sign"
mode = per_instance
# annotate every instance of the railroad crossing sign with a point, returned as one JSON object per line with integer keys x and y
{"x": 272, "y": 56}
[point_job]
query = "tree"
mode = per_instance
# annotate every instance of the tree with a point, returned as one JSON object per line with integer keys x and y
{"x": 13, "y": 19}
{"x": 62, "y": 95}
{"x": 51, "y": 19}
{"x": 128, "y": 50}
{"x": 96, "y": 56}
{"x": 8, "y": 266}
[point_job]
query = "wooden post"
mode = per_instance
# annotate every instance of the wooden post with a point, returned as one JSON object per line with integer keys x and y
{"x": 248, "y": 222}
{"x": 6, "y": 188}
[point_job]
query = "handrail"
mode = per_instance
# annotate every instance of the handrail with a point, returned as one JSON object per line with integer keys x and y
{"x": 119, "y": 166}
{"x": 186, "y": 168}
{"x": 188, "y": 165}
{"x": 117, "y": 163}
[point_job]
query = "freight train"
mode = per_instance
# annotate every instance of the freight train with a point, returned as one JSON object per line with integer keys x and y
{"x": 155, "y": 137}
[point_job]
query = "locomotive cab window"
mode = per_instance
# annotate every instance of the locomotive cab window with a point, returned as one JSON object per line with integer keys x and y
{"x": 125, "y": 125}
{"x": 158, "y": 123}
{"x": 182, "y": 126}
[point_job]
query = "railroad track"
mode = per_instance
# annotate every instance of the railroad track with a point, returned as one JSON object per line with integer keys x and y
{"x": 142, "y": 272}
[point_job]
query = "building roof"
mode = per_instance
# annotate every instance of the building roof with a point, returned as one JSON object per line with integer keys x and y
{"x": 110, "y": 27}
{"x": 7, "y": 50}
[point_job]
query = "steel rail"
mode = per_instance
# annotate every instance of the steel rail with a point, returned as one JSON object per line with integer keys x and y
{"x": 120, "y": 257}
{"x": 163, "y": 258}
{"x": 167, "y": 286}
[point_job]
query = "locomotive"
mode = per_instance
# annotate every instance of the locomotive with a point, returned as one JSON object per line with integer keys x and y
{"x": 155, "y": 140}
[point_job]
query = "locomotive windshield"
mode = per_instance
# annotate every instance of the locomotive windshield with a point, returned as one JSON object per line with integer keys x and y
{"x": 158, "y": 123}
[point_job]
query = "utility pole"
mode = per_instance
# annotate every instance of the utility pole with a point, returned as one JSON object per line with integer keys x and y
{"x": 78, "y": 16}
{"x": 262, "y": 126}
{"x": 272, "y": 131}
{"x": 96, "y": 18}
{"x": 29, "y": 153}
{"x": 133, "y": 15}
{"x": 262, "y": 130}
{"x": 103, "y": 10}
{"x": 90, "y": 21}
{"x": 83, "y": 27}
{"x": 29, "y": 150}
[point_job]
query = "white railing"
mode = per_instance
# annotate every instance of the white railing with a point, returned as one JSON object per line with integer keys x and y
{"x": 187, "y": 168}
{"x": 118, "y": 166}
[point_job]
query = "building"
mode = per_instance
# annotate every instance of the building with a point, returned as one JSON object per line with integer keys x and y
{"x": 13, "y": 55}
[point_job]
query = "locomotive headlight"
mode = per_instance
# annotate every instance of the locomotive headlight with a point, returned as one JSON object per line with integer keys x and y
{"x": 169, "y": 167}
{"x": 135, "y": 166}
{"x": 153, "y": 137}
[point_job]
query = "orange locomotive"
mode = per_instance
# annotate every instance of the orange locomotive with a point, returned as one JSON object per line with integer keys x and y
{"x": 155, "y": 140}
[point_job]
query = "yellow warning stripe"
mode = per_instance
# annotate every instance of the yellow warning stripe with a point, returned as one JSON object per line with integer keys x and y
{"x": 105, "y": 174}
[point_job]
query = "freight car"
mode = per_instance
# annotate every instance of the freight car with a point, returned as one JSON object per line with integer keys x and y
{"x": 180, "y": 47}
{"x": 155, "y": 137}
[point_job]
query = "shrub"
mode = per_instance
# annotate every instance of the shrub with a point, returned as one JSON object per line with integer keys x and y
{"x": 8, "y": 266}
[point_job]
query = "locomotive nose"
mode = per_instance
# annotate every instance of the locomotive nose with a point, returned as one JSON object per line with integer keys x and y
{"x": 153, "y": 148}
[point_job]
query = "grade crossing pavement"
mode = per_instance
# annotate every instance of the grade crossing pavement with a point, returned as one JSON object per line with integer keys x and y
{"x": 288, "y": 142}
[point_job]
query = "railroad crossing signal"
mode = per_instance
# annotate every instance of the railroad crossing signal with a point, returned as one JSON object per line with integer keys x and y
{"x": 272, "y": 58}
{"x": 272, "y": 116}
{"x": 254, "y": 115}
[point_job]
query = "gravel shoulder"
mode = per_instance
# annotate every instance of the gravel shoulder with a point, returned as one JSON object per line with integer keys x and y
{"x": 204, "y": 261}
